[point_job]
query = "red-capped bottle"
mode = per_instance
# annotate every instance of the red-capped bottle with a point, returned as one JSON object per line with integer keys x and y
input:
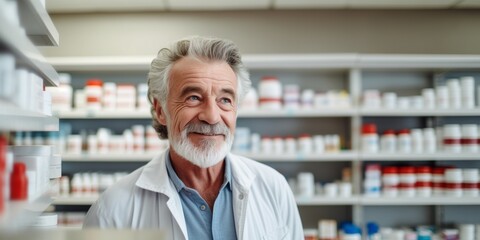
{"x": 19, "y": 182}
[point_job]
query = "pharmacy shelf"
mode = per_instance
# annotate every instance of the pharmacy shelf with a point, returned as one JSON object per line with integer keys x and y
{"x": 70, "y": 227}
{"x": 19, "y": 214}
{"x": 301, "y": 61}
{"x": 37, "y": 23}
{"x": 419, "y": 113}
{"x": 145, "y": 157}
{"x": 110, "y": 157}
{"x": 320, "y": 157}
{"x": 13, "y": 118}
{"x": 417, "y": 61}
{"x": 26, "y": 53}
{"x": 400, "y": 201}
{"x": 340, "y": 61}
{"x": 321, "y": 200}
{"x": 285, "y": 113}
{"x": 145, "y": 114}
{"x": 104, "y": 114}
{"x": 441, "y": 156}
{"x": 75, "y": 200}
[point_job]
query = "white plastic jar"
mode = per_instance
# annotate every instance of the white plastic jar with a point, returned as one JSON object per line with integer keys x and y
{"x": 270, "y": 93}
{"x": 388, "y": 141}
{"x": 454, "y": 94}
{"x": 428, "y": 95}
{"x": 305, "y": 144}
{"x": 290, "y": 145}
{"x": 267, "y": 145}
{"x": 470, "y": 182}
{"x": 469, "y": 138}
{"x": 319, "y": 144}
{"x": 442, "y": 97}
{"x": 93, "y": 94}
{"x": 404, "y": 141}
{"x": 305, "y": 184}
{"x": 370, "y": 142}
{"x": 429, "y": 140}
{"x": 467, "y": 89}
{"x": 389, "y": 100}
{"x": 109, "y": 95}
{"x": 452, "y": 138}
{"x": 417, "y": 140}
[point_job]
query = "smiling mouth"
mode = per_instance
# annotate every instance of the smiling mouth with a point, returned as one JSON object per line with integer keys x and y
{"x": 207, "y": 134}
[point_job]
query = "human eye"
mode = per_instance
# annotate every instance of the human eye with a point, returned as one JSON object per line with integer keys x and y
{"x": 193, "y": 98}
{"x": 226, "y": 101}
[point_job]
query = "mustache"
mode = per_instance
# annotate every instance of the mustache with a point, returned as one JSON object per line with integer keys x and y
{"x": 204, "y": 128}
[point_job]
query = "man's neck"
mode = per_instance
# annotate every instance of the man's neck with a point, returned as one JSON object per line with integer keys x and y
{"x": 207, "y": 181}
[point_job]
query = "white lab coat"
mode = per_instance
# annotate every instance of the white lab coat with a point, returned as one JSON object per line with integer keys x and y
{"x": 263, "y": 204}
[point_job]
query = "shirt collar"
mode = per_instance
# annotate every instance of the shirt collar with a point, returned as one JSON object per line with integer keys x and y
{"x": 178, "y": 183}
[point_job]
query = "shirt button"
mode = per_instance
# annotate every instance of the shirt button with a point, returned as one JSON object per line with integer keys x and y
{"x": 203, "y": 207}
{"x": 240, "y": 196}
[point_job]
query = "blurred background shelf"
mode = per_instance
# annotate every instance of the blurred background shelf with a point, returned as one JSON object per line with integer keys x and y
{"x": 16, "y": 119}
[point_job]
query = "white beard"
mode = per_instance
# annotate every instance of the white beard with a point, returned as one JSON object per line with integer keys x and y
{"x": 208, "y": 153}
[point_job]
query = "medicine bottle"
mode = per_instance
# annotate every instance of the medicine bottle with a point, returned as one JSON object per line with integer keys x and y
{"x": 417, "y": 140}
{"x": 19, "y": 182}
{"x": 469, "y": 138}
{"x": 305, "y": 144}
{"x": 404, "y": 141}
{"x": 388, "y": 141}
{"x": 93, "y": 94}
{"x": 270, "y": 93}
{"x": 452, "y": 138}
{"x": 429, "y": 140}
{"x": 369, "y": 138}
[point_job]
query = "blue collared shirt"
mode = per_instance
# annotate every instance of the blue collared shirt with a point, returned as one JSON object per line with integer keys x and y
{"x": 202, "y": 222}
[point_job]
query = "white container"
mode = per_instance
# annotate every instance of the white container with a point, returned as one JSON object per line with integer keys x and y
{"x": 92, "y": 143}
{"x": 442, "y": 97}
{"x": 327, "y": 229}
{"x": 469, "y": 138}
{"x": 453, "y": 175}
{"x": 109, "y": 99}
{"x": 305, "y": 184}
{"x": 344, "y": 189}
{"x": 389, "y": 100}
{"x": 103, "y": 136}
{"x": 290, "y": 145}
{"x": 142, "y": 96}
{"x": 55, "y": 167}
{"x": 467, "y": 232}
{"x": 308, "y": 96}
{"x": 453, "y": 192}
{"x": 80, "y": 99}
{"x": 319, "y": 143}
{"x": 370, "y": 141}
{"x": 250, "y": 102}
{"x": 467, "y": 85}
{"x": 74, "y": 144}
{"x": 372, "y": 187}
{"x": 388, "y": 142}
{"x": 46, "y": 220}
{"x": 390, "y": 191}
{"x": 270, "y": 104}
{"x": 330, "y": 189}
{"x": 278, "y": 145}
{"x": 305, "y": 144}
{"x": 267, "y": 145}
{"x": 371, "y": 98}
{"x": 423, "y": 191}
{"x": 416, "y": 102}
{"x": 403, "y": 103}
{"x": 417, "y": 140}
{"x": 454, "y": 93}
{"x": 404, "y": 141}
{"x": 389, "y": 180}
{"x": 428, "y": 95}
{"x": 452, "y": 138}
{"x": 270, "y": 87}
{"x": 470, "y": 175}
{"x": 255, "y": 143}
{"x": 429, "y": 140}
{"x": 126, "y": 97}
{"x": 93, "y": 94}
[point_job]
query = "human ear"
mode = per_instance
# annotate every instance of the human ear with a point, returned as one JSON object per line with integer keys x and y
{"x": 160, "y": 113}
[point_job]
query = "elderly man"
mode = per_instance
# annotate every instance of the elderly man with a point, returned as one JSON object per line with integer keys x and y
{"x": 197, "y": 189}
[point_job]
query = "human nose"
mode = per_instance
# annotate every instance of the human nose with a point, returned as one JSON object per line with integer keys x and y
{"x": 210, "y": 112}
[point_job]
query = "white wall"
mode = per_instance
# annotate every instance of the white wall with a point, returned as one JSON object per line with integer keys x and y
{"x": 362, "y": 31}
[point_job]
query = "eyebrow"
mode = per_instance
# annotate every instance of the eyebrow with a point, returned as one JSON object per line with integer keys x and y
{"x": 190, "y": 89}
{"x": 229, "y": 91}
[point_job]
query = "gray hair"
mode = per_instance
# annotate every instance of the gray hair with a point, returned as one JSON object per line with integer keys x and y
{"x": 202, "y": 48}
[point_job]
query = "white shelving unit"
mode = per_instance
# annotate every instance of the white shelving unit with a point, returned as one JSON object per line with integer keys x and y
{"x": 38, "y": 24}
{"x": 21, "y": 213}
{"x": 145, "y": 157}
{"x": 27, "y": 54}
{"x": 39, "y": 29}
{"x": 341, "y": 71}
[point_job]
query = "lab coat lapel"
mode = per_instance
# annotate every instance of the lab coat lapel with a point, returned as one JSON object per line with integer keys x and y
{"x": 242, "y": 180}
{"x": 154, "y": 177}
